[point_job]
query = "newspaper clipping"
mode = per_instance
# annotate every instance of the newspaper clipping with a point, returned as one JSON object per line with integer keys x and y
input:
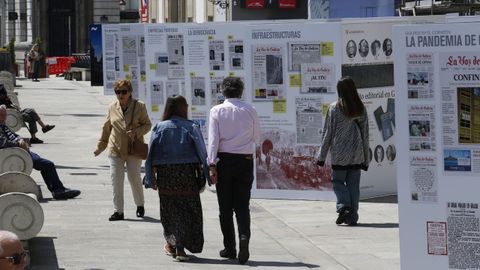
{"x": 216, "y": 90}
{"x": 420, "y": 76}
{"x": 300, "y": 53}
{"x": 216, "y": 52}
{"x": 423, "y": 179}
{"x": 421, "y": 124}
{"x": 161, "y": 67}
{"x": 173, "y": 88}
{"x": 309, "y": 120}
{"x": 129, "y": 52}
{"x": 176, "y": 59}
{"x": 198, "y": 90}
{"x": 463, "y": 235}
{"x": 235, "y": 49}
{"x": 200, "y": 118}
{"x": 317, "y": 78}
{"x": 459, "y": 80}
{"x": 437, "y": 238}
{"x": 156, "y": 95}
{"x": 268, "y": 73}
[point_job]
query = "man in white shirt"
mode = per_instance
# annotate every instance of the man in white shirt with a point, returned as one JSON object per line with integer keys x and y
{"x": 233, "y": 131}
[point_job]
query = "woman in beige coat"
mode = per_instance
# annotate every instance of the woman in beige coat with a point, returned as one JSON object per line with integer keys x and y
{"x": 119, "y": 129}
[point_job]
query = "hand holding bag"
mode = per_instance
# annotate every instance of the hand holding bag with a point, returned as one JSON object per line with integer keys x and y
{"x": 136, "y": 147}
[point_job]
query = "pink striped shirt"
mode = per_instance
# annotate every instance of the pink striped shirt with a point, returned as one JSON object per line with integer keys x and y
{"x": 233, "y": 128}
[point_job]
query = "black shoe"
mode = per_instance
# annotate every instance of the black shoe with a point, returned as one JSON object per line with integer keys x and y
{"x": 66, "y": 194}
{"x": 228, "y": 253}
{"x": 47, "y": 128}
{"x": 116, "y": 216}
{"x": 342, "y": 215}
{"x": 140, "y": 211}
{"x": 35, "y": 140}
{"x": 243, "y": 253}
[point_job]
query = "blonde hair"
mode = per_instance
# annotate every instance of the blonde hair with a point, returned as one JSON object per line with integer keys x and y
{"x": 121, "y": 83}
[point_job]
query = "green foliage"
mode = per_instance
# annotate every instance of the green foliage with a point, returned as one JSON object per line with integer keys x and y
{"x": 11, "y": 49}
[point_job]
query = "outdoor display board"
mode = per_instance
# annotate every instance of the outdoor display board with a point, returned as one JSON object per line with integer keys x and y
{"x": 367, "y": 57}
{"x": 290, "y": 70}
{"x": 437, "y": 76}
{"x": 292, "y": 74}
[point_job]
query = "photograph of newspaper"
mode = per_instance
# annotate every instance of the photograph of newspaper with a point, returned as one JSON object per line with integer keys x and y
{"x": 463, "y": 235}
{"x": 129, "y": 51}
{"x": 437, "y": 238}
{"x": 133, "y": 77}
{"x": 198, "y": 90}
{"x": 109, "y": 36}
{"x": 216, "y": 90}
{"x": 216, "y": 54}
{"x": 268, "y": 72}
{"x": 173, "y": 88}
{"x": 161, "y": 65}
{"x": 318, "y": 78}
{"x": 282, "y": 164}
{"x": 156, "y": 95}
{"x": 303, "y": 53}
{"x": 236, "y": 55}
{"x": 141, "y": 47}
{"x": 458, "y": 160}
{"x": 421, "y": 124}
{"x": 420, "y": 76}
{"x": 423, "y": 179}
{"x": 309, "y": 120}
{"x": 176, "y": 56}
{"x": 200, "y": 118}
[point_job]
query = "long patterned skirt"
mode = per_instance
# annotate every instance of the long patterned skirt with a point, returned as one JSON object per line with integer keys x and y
{"x": 180, "y": 205}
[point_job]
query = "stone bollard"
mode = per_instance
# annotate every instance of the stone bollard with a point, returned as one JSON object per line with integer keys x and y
{"x": 21, "y": 214}
{"x": 14, "y": 120}
{"x": 18, "y": 182}
{"x": 15, "y": 159}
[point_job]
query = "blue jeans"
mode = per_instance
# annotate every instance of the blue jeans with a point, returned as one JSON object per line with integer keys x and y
{"x": 48, "y": 171}
{"x": 346, "y": 185}
{"x": 36, "y": 69}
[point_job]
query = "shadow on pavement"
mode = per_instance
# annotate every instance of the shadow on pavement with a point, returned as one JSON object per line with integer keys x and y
{"x": 377, "y": 225}
{"x": 144, "y": 219}
{"x": 43, "y": 254}
{"x": 199, "y": 260}
{"x": 384, "y": 199}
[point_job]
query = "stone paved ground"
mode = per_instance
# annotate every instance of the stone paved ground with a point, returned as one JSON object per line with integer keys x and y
{"x": 77, "y": 235}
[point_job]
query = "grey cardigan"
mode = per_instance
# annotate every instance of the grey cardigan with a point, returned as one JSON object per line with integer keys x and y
{"x": 346, "y": 139}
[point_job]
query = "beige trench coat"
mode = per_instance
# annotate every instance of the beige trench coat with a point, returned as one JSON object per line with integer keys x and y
{"x": 114, "y": 132}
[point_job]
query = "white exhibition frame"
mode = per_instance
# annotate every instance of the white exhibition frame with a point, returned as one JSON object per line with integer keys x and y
{"x": 437, "y": 76}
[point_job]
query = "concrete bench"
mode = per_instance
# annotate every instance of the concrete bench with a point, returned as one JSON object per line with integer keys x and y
{"x": 14, "y": 120}
{"x": 9, "y": 86}
{"x": 8, "y": 75}
{"x": 21, "y": 214}
{"x": 15, "y": 159}
{"x": 19, "y": 182}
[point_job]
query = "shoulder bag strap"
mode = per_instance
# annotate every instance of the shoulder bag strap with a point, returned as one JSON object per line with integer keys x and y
{"x": 133, "y": 112}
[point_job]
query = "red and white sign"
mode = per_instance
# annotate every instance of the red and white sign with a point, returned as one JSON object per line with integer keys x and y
{"x": 287, "y": 3}
{"x": 144, "y": 11}
{"x": 255, "y": 4}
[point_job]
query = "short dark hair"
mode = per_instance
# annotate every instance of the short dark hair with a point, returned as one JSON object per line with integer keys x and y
{"x": 232, "y": 87}
{"x": 175, "y": 106}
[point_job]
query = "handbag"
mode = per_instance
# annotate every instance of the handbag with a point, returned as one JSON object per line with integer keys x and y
{"x": 136, "y": 147}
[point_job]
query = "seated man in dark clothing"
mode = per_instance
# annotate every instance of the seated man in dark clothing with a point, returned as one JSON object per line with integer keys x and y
{"x": 8, "y": 138}
{"x": 29, "y": 116}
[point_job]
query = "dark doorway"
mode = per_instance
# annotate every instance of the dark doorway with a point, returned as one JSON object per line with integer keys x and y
{"x": 61, "y": 21}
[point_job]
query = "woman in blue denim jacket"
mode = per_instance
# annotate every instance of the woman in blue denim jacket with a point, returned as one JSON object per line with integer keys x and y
{"x": 177, "y": 167}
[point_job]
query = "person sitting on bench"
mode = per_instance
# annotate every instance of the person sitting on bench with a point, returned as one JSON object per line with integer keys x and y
{"x": 8, "y": 138}
{"x": 29, "y": 116}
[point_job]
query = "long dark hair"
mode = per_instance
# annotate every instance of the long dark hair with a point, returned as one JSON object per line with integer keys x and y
{"x": 348, "y": 98}
{"x": 176, "y": 105}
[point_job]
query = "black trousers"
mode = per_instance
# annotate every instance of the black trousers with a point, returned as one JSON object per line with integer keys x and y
{"x": 235, "y": 178}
